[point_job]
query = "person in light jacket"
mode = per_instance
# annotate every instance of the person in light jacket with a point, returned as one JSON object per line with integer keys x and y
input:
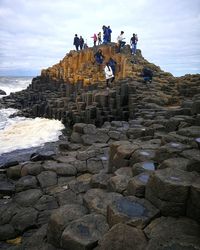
{"x": 108, "y": 74}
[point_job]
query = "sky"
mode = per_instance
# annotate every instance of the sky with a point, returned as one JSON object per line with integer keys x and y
{"x": 36, "y": 34}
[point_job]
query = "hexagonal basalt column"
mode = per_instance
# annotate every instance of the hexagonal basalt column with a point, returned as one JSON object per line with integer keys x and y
{"x": 132, "y": 210}
{"x": 168, "y": 190}
{"x": 84, "y": 233}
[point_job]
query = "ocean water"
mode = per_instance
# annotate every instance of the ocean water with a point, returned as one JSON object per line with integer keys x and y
{"x": 20, "y": 133}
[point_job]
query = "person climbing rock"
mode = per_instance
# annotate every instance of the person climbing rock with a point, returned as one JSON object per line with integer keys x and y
{"x": 133, "y": 43}
{"x": 147, "y": 75}
{"x": 120, "y": 41}
{"x": 108, "y": 74}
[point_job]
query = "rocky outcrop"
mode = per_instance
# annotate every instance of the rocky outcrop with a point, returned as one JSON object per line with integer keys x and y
{"x": 134, "y": 181}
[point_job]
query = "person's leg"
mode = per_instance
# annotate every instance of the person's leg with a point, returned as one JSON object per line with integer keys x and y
{"x": 107, "y": 82}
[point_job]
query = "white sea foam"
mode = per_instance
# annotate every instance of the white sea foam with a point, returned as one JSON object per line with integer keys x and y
{"x": 26, "y": 133}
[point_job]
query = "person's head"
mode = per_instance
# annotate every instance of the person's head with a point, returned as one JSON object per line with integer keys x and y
{"x": 100, "y": 51}
{"x": 133, "y": 34}
{"x": 122, "y": 32}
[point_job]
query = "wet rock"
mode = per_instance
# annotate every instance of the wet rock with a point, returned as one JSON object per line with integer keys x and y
{"x": 81, "y": 184}
{"x": 14, "y": 172}
{"x": 47, "y": 178}
{"x": 28, "y": 198}
{"x": 142, "y": 155}
{"x": 2, "y": 92}
{"x": 96, "y": 200}
{"x": 7, "y": 232}
{"x": 94, "y": 165}
{"x": 147, "y": 166}
{"x": 67, "y": 196}
{"x": 31, "y": 168}
{"x": 60, "y": 218}
{"x": 176, "y": 162}
{"x": 64, "y": 169}
{"x": 173, "y": 233}
{"x": 168, "y": 190}
{"x": 170, "y": 150}
{"x": 24, "y": 219}
{"x": 194, "y": 159}
{"x": 100, "y": 180}
{"x": 7, "y": 187}
{"x": 136, "y": 185}
{"x": 193, "y": 131}
{"x": 118, "y": 183}
{"x": 193, "y": 205}
{"x": 42, "y": 156}
{"x": 26, "y": 182}
{"x": 132, "y": 210}
{"x": 122, "y": 236}
{"x": 84, "y": 233}
{"x": 7, "y": 211}
{"x": 46, "y": 202}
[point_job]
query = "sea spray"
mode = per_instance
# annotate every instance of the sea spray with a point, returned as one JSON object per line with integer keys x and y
{"x": 28, "y": 133}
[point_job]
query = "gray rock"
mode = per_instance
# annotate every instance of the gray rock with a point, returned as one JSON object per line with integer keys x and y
{"x": 176, "y": 162}
{"x": 84, "y": 233}
{"x": 136, "y": 185}
{"x": 81, "y": 184}
{"x": 142, "y": 155}
{"x": 7, "y": 211}
{"x": 132, "y": 210}
{"x": 31, "y": 168}
{"x": 173, "y": 233}
{"x": 46, "y": 202}
{"x": 28, "y": 198}
{"x": 7, "y": 232}
{"x": 24, "y": 219}
{"x": 60, "y": 218}
{"x": 97, "y": 200}
{"x": 141, "y": 167}
{"x": 118, "y": 183}
{"x": 122, "y": 236}
{"x": 7, "y": 187}
{"x": 168, "y": 190}
{"x": 68, "y": 197}
{"x": 47, "y": 178}
{"x": 94, "y": 165}
{"x": 100, "y": 180}
{"x": 14, "y": 172}
{"x": 26, "y": 182}
{"x": 65, "y": 169}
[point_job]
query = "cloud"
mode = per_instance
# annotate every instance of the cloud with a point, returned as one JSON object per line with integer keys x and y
{"x": 37, "y": 34}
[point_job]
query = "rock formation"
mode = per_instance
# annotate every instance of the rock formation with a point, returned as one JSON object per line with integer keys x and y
{"x": 128, "y": 173}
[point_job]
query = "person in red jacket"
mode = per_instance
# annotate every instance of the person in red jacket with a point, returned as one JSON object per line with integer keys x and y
{"x": 94, "y": 39}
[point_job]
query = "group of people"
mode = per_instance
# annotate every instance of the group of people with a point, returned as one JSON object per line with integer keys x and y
{"x": 110, "y": 65}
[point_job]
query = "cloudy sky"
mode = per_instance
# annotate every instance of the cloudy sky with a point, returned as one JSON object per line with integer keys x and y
{"x": 36, "y": 34}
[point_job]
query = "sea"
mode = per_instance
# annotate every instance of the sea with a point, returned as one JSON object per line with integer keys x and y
{"x": 19, "y": 135}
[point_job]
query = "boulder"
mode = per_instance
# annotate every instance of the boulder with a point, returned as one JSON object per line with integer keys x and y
{"x": 100, "y": 180}
{"x": 2, "y": 92}
{"x": 132, "y": 210}
{"x": 14, "y": 172}
{"x": 173, "y": 233}
{"x": 46, "y": 202}
{"x": 24, "y": 219}
{"x": 118, "y": 183}
{"x": 168, "y": 190}
{"x": 26, "y": 182}
{"x": 7, "y": 187}
{"x": 122, "y": 236}
{"x": 7, "y": 232}
{"x": 193, "y": 204}
{"x": 31, "y": 168}
{"x": 137, "y": 185}
{"x": 84, "y": 233}
{"x": 47, "y": 178}
{"x": 28, "y": 198}
{"x": 141, "y": 167}
{"x": 97, "y": 200}
{"x": 60, "y": 218}
{"x": 176, "y": 162}
{"x": 81, "y": 184}
{"x": 94, "y": 165}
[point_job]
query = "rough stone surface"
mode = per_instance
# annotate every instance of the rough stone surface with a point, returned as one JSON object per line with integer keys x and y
{"x": 132, "y": 210}
{"x": 84, "y": 233}
{"x": 122, "y": 236}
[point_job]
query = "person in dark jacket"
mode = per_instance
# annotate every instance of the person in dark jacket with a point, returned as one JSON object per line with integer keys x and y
{"x": 99, "y": 57}
{"x": 112, "y": 63}
{"x": 76, "y": 42}
{"x": 147, "y": 75}
{"x": 81, "y": 42}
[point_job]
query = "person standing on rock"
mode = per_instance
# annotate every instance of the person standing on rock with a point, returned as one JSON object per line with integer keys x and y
{"x": 94, "y": 39}
{"x": 108, "y": 74}
{"x": 76, "y": 42}
{"x": 99, "y": 38}
{"x": 133, "y": 43}
{"x": 109, "y": 31}
{"x": 120, "y": 41}
{"x": 81, "y": 42}
{"x": 99, "y": 57}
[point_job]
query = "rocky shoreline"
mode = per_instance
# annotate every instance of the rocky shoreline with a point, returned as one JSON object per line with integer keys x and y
{"x": 126, "y": 177}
